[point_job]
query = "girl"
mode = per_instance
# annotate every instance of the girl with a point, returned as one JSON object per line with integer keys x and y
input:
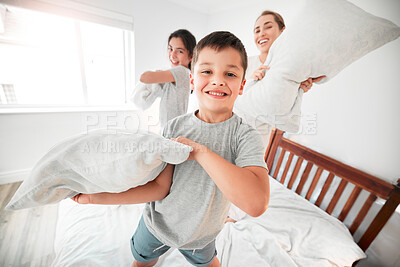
{"x": 172, "y": 85}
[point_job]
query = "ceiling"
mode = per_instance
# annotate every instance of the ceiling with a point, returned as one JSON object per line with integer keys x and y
{"x": 213, "y": 6}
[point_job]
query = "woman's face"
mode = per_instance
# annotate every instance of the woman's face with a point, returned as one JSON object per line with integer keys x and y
{"x": 266, "y": 30}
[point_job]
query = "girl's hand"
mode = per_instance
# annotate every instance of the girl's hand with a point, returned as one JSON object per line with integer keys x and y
{"x": 259, "y": 73}
{"x": 82, "y": 198}
{"x": 197, "y": 148}
{"x": 307, "y": 84}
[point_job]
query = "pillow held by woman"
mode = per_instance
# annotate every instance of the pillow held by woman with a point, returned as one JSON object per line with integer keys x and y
{"x": 327, "y": 36}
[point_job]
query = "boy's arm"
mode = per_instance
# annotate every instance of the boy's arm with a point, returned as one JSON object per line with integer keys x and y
{"x": 247, "y": 187}
{"x": 159, "y": 76}
{"x": 152, "y": 191}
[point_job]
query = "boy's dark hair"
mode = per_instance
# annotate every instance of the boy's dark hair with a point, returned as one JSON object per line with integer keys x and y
{"x": 188, "y": 39}
{"x": 219, "y": 40}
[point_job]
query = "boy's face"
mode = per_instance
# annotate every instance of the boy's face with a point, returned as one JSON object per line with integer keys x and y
{"x": 217, "y": 79}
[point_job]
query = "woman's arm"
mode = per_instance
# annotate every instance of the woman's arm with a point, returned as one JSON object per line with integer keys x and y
{"x": 159, "y": 76}
{"x": 152, "y": 191}
{"x": 307, "y": 84}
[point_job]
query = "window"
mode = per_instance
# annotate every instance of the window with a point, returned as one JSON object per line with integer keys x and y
{"x": 48, "y": 59}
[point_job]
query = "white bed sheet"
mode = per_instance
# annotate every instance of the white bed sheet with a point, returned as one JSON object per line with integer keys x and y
{"x": 292, "y": 232}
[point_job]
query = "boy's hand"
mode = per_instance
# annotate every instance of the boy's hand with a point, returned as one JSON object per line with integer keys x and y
{"x": 197, "y": 148}
{"x": 82, "y": 198}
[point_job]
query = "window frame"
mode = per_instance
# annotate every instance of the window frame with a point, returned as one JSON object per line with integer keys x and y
{"x": 81, "y": 12}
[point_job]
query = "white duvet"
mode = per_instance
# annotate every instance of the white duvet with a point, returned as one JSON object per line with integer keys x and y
{"x": 292, "y": 232}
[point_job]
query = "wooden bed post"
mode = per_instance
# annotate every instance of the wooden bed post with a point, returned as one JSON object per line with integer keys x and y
{"x": 276, "y": 136}
{"x": 381, "y": 218}
{"x": 271, "y": 140}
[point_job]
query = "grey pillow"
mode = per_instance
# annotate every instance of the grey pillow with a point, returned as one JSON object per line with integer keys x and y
{"x": 98, "y": 161}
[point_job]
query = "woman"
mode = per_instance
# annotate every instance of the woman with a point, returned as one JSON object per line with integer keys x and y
{"x": 269, "y": 25}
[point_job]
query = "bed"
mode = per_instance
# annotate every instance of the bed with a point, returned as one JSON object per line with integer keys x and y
{"x": 318, "y": 207}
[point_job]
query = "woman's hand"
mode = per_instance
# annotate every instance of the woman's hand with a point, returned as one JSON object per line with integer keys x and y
{"x": 259, "y": 73}
{"x": 197, "y": 148}
{"x": 307, "y": 84}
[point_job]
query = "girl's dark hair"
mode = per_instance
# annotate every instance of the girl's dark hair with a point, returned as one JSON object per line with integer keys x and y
{"x": 220, "y": 40}
{"x": 188, "y": 39}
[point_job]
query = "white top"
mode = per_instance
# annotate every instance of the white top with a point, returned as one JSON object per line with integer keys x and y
{"x": 253, "y": 63}
{"x": 263, "y": 128}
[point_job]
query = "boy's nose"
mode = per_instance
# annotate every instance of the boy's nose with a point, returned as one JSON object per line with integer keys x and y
{"x": 218, "y": 83}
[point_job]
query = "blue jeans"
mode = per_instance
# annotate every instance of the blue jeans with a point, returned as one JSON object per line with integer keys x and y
{"x": 146, "y": 247}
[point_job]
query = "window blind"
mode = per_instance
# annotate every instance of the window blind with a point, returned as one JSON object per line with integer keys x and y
{"x": 75, "y": 10}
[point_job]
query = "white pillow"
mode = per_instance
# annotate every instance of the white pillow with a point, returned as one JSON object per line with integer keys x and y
{"x": 98, "y": 161}
{"x": 327, "y": 36}
{"x": 309, "y": 235}
{"x": 145, "y": 94}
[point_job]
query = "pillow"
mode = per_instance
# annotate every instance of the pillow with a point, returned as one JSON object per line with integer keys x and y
{"x": 326, "y": 37}
{"x": 308, "y": 233}
{"x": 145, "y": 94}
{"x": 97, "y": 161}
{"x": 292, "y": 232}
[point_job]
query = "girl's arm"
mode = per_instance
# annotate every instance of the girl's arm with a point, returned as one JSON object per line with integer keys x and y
{"x": 247, "y": 187}
{"x": 152, "y": 191}
{"x": 159, "y": 76}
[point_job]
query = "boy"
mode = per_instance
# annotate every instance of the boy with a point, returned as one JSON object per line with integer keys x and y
{"x": 189, "y": 202}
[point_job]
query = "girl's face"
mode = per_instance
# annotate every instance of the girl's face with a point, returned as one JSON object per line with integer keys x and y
{"x": 266, "y": 30}
{"x": 177, "y": 53}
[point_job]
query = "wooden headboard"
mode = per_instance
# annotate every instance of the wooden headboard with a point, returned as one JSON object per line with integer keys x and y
{"x": 281, "y": 148}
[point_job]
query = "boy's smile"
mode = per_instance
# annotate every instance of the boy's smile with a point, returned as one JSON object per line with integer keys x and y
{"x": 217, "y": 80}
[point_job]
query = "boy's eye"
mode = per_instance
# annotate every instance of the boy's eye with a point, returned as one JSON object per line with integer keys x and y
{"x": 231, "y": 74}
{"x": 206, "y": 72}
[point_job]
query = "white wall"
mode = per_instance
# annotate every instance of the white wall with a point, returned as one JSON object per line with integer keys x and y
{"x": 24, "y": 138}
{"x": 357, "y": 111}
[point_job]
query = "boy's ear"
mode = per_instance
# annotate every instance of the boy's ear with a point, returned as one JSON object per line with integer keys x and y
{"x": 191, "y": 82}
{"x": 241, "y": 87}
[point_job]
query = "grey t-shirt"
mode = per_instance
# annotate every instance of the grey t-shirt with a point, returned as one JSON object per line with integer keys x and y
{"x": 175, "y": 96}
{"x": 194, "y": 211}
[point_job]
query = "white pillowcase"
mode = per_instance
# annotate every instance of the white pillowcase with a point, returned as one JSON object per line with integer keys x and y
{"x": 326, "y": 37}
{"x": 292, "y": 232}
{"x": 145, "y": 94}
{"x": 98, "y": 161}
